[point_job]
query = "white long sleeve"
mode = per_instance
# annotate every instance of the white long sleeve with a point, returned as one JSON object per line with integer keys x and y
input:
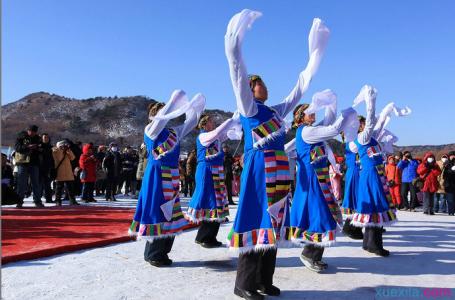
{"x": 369, "y": 96}
{"x": 219, "y": 133}
{"x": 154, "y": 128}
{"x": 317, "y": 42}
{"x": 239, "y": 77}
{"x": 320, "y": 133}
{"x": 290, "y": 148}
{"x": 192, "y": 115}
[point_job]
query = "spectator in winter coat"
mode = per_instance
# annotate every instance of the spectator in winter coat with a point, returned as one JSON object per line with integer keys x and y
{"x": 100, "y": 184}
{"x": 8, "y": 196}
{"x": 142, "y": 163}
{"x": 393, "y": 174}
{"x": 88, "y": 164}
{"x": 449, "y": 183}
{"x": 112, "y": 165}
{"x": 440, "y": 196}
{"x": 191, "y": 164}
{"x": 228, "y": 176}
{"x": 46, "y": 167}
{"x": 129, "y": 164}
{"x": 408, "y": 167}
{"x": 27, "y": 154}
{"x": 429, "y": 171}
{"x": 62, "y": 160}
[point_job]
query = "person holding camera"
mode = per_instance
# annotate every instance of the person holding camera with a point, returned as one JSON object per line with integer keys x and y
{"x": 393, "y": 174}
{"x": 408, "y": 167}
{"x": 429, "y": 171}
{"x": 27, "y": 158}
{"x": 63, "y": 156}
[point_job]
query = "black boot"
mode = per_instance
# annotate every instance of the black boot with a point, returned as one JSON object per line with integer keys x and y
{"x": 351, "y": 231}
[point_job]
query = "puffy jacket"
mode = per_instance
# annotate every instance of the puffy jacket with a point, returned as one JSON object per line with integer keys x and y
{"x": 65, "y": 170}
{"x": 429, "y": 173}
{"x": 88, "y": 163}
{"x": 449, "y": 177}
{"x": 393, "y": 173}
{"x": 409, "y": 169}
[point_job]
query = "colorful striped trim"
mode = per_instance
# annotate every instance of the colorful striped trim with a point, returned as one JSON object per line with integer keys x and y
{"x": 317, "y": 153}
{"x": 166, "y": 146}
{"x": 374, "y": 151}
{"x": 324, "y": 238}
{"x": 326, "y": 188}
{"x": 212, "y": 150}
{"x": 267, "y": 131}
{"x": 347, "y": 212}
{"x": 278, "y": 184}
{"x": 151, "y": 231}
{"x": 374, "y": 220}
{"x": 255, "y": 238}
{"x": 213, "y": 215}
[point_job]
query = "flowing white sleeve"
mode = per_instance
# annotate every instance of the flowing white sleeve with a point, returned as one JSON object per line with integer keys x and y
{"x": 290, "y": 149}
{"x": 169, "y": 111}
{"x": 233, "y": 40}
{"x": 325, "y": 99}
{"x": 192, "y": 115}
{"x": 316, "y": 134}
{"x": 384, "y": 117}
{"x": 367, "y": 94}
{"x": 317, "y": 42}
{"x": 388, "y": 139}
{"x": 332, "y": 159}
{"x": 220, "y": 133}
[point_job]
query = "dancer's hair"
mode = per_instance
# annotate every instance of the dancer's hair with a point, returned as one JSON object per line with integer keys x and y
{"x": 299, "y": 114}
{"x": 203, "y": 121}
{"x": 154, "y": 108}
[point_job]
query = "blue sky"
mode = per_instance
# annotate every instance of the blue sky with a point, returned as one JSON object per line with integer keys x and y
{"x": 83, "y": 49}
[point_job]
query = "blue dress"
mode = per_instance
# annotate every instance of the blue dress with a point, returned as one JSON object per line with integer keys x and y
{"x": 262, "y": 219}
{"x": 158, "y": 212}
{"x": 351, "y": 183}
{"x": 374, "y": 204}
{"x": 209, "y": 202}
{"x": 314, "y": 211}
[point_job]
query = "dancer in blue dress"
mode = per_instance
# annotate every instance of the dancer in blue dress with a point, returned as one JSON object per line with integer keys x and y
{"x": 315, "y": 212}
{"x": 209, "y": 204}
{"x": 374, "y": 208}
{"x": 158, "y": 216}
{"x": 351, "y": 183}
{"x": 262, "y": 220}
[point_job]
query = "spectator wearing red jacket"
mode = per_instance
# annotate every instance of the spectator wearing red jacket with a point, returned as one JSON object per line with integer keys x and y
{"x": 393, "y": 174}
{"x": 88, "y": 163}
{"x": 429, "y": 171}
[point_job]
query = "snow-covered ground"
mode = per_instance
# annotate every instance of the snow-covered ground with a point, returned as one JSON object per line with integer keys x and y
{"x": 422, "y": 246}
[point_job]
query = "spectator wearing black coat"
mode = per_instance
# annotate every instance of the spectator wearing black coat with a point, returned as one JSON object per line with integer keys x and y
{"x": 8, "y": 196}
{"x": 112, "y": 165}
{"x": 228, "y": 175}
{"x": 27, "y": 158}
{"x": 46, "y": 167}
{"x": 129, "y": 165}
{"x": 449, "y": 183}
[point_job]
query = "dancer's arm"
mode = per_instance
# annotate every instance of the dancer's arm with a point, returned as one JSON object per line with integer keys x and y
{"x": 192, "y": 115}
{"x": 317, "y": 42}
{"x": 369, "y": 96}
{"x": 219, "y": 133}
{"x": 178, "y": 99}
{"x": 316, "y": 134}
{"x": 239, "y": 77}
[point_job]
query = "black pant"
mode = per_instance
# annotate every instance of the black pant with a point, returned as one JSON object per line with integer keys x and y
{"x": 207, "y": 232}
{"x": 405, "y": 188}
{"x": 372, "y": 238}
{"x": 428, "y": 202}
{"x": 111, "y": 187}
{"x": 46, "y": 184}
{"x": 255, "y": 269}
{"x": 68, "y": 186}
{"x": 313, "y": 252}
{"x": 87, "y": 190}
{"x": 228, "y": 183}
{"x": 158, "y": 249}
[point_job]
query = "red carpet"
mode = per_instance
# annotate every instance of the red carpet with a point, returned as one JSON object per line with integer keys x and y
{"x": 35, "y": 233}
